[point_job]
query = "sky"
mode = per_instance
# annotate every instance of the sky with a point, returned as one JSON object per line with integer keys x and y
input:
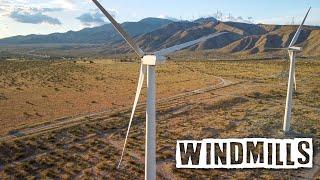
{"x": 22, "y": 17}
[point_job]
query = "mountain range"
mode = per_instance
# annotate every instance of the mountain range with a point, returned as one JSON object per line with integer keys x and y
{"x": 152, "y": 34}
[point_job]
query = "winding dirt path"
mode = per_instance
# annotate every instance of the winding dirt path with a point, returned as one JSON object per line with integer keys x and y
{"x": 73, "y": 121}
{"x": 161, "y": 169}
{"x": 248, "y": 44}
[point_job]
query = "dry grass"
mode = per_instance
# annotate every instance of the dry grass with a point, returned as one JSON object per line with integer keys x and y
{"x": 35, "y": 91}
{"x": 252, "y": 107}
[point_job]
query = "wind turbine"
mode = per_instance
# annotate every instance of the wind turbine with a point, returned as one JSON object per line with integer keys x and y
{"x": 148, "y": 64}
{"x": 292, "y": 50}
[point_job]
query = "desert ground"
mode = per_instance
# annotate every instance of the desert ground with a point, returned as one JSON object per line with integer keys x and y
{"x": 67, "y": 119}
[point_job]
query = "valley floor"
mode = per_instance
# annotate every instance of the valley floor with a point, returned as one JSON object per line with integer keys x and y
{"x": 68, "y": 119}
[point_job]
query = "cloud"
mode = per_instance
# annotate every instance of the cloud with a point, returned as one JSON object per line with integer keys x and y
{"x": 229, "y": 17}
{"x": 4, "y": 7}
{"x": 65, "y": 4}
{"x": 7, "y": 7}
{"x": 88, "y": 19}
{"x": 50, "y": 9}
{"x": 4, "y": 2}
{"x": 162, "y": 16}
{"x": 94, "y": 18}
{"x": 35, "y": 15}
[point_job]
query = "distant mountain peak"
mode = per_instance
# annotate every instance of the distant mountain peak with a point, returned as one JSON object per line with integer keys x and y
{"x": 205, "y": 20}
{"x": 153, "y": 20}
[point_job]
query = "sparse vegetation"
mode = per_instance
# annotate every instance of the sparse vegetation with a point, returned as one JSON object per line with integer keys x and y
{"x": 247, "y": 102}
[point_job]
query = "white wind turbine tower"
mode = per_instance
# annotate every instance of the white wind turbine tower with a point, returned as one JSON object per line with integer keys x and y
{"x": 148, "y": 63}
{"x": 292, "y": 50}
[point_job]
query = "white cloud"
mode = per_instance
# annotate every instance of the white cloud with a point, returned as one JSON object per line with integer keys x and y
{"x": 28, "y": 11}
{"x": 162, "y": 16}
{"x": 65, "y": 4}
{"x": 95, "y": 17}
{"x": 4, "y": 7}
{"x": 91, "y": 19}
{"x": 35, "y": 15}
{"x": 229, "y": 17}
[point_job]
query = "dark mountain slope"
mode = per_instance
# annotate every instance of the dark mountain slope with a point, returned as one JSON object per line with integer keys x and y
{"x": 206, "y": 20}
{"x": 160, "y": 37}
{"x": 102, "y": 34}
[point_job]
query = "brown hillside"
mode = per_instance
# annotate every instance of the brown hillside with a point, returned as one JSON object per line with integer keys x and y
{"x": 219, "y": 41}
{"x": 221, "y": 26}
{"x": 243, "y": 39}
{"x": 312, "y": 45}
{"x": 243, "y": 44}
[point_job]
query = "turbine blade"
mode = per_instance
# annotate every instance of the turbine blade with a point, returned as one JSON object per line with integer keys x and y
{"x": 296, "y": 36}
{"x": 294, "y": 80}
{"x": 172, "y": 49}
{"x": 139, "y": 87}
{"x": 120, "y": 30}
{"x": 294, "y": 71}
{"x": 290, "y": 54}
{"x": 276, "y": 48}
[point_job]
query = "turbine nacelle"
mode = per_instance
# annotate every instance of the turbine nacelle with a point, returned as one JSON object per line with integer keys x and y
{"x": 153, "y": 60}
